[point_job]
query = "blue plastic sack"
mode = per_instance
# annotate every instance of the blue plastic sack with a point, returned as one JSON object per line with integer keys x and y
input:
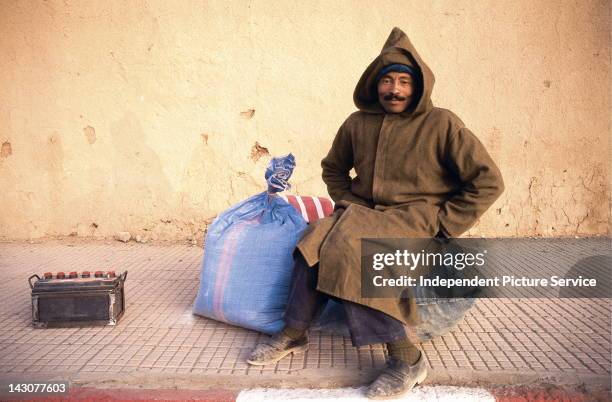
{"x": 247, "y": 264}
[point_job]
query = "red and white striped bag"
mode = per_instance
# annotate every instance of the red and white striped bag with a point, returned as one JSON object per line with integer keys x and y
{"x": 311, "y": 208}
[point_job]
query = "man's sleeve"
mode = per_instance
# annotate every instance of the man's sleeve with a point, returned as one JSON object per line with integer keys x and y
{"x": 336, "y": 167}
{"x": 481, "y": 180}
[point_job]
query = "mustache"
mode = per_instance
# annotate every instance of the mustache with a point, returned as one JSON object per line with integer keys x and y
{"x": 391, "y": 96}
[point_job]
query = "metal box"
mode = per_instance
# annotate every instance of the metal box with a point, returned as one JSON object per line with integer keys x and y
{"x": 77, "y": 299}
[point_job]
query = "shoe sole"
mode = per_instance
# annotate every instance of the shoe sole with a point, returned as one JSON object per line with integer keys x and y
{"x": 418, "y": 381}
{"x": 296, "y": 349}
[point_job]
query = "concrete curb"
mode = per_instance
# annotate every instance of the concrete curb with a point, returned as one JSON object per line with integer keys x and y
{"x": 311, "y": 378}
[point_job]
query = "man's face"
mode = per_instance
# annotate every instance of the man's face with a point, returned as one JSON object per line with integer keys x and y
{"x": 395, "y": 91}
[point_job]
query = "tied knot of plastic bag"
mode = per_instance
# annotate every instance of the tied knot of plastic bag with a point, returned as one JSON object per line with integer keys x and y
{"x": 278, "y": 172}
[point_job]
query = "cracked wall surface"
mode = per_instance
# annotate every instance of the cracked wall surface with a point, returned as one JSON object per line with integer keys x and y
{"x": 152, "y": 117}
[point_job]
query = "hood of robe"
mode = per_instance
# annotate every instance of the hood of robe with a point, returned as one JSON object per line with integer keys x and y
{"x": 397, "y": 49}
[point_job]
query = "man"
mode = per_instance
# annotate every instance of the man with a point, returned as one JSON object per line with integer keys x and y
{"x": 419, "y": 173}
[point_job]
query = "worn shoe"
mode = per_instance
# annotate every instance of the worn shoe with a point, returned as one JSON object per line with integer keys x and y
{"x": 397, "y": 378}
{"x": 275, "y": 348}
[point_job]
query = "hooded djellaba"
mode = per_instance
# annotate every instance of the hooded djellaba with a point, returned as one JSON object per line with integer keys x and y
{"x": 419, "y": 173}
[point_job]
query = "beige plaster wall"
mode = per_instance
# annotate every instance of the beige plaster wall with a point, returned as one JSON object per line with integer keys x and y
{"x": 145, "y": 116}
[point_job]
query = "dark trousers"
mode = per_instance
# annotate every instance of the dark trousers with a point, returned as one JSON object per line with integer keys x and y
{"x": 367, "y": 326}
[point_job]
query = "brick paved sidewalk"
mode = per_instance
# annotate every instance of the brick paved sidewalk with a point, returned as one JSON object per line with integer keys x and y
{"x": 160, "y": 344}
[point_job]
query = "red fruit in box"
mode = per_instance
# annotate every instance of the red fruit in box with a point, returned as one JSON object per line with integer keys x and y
{"x": 60, "y": 275}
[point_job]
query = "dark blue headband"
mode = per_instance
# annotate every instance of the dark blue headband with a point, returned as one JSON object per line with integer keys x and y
{"x": 400, "y": 68}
